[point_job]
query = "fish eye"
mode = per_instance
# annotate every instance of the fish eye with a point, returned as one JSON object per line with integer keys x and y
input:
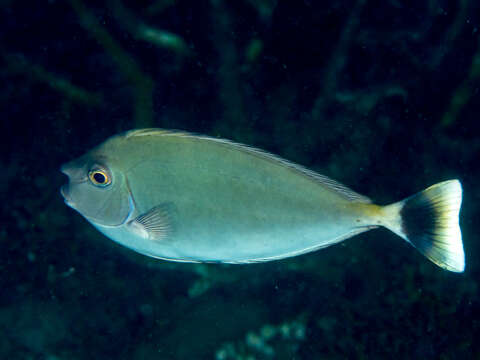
{"x": 99, "y": 177}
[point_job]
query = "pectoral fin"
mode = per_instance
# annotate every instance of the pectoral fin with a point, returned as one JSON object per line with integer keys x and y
{"x": 156, "y": 224}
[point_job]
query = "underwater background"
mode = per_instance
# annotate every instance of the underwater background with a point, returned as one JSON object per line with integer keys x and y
{"x": 382, "y": 96}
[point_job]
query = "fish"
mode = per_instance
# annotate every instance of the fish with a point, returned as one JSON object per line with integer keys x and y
{"x": 178, "y": 196}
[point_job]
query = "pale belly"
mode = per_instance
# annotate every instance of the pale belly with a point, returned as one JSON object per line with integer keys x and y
{"x": 245, "y": 237}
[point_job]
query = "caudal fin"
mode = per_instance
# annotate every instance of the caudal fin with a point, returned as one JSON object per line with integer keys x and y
{"x": 429, "y": 221}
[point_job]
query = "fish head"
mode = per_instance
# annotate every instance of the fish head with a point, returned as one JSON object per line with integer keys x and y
{"x": 97, "y": 188}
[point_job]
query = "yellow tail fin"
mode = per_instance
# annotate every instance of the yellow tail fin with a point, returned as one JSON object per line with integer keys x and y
{"x": 429, "y": 220}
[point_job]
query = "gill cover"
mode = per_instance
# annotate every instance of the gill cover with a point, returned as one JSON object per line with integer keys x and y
{"x": 106, "y": 203}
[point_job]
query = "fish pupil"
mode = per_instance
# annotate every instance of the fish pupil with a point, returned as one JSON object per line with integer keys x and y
{"x": 99, "y": 178}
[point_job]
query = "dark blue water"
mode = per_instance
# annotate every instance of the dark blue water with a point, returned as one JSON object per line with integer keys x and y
{"x": 380, "y": 95}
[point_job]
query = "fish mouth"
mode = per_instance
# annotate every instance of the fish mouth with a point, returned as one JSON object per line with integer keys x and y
{"x": 66, "y": 197}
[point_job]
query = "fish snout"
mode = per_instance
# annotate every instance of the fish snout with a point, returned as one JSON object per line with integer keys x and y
{"x": 68, "y": 170}
{"x": 65, "y": 188}
{"x": 64, "y": 191}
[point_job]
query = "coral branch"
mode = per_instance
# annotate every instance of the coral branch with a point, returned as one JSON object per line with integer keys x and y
{"x": 142, "y": 83}
{"x": 18, "y": 63}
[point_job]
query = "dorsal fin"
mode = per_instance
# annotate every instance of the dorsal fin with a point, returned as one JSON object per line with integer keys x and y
{"x": 322, "y": 179}
{"x": 154, "y": 132}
